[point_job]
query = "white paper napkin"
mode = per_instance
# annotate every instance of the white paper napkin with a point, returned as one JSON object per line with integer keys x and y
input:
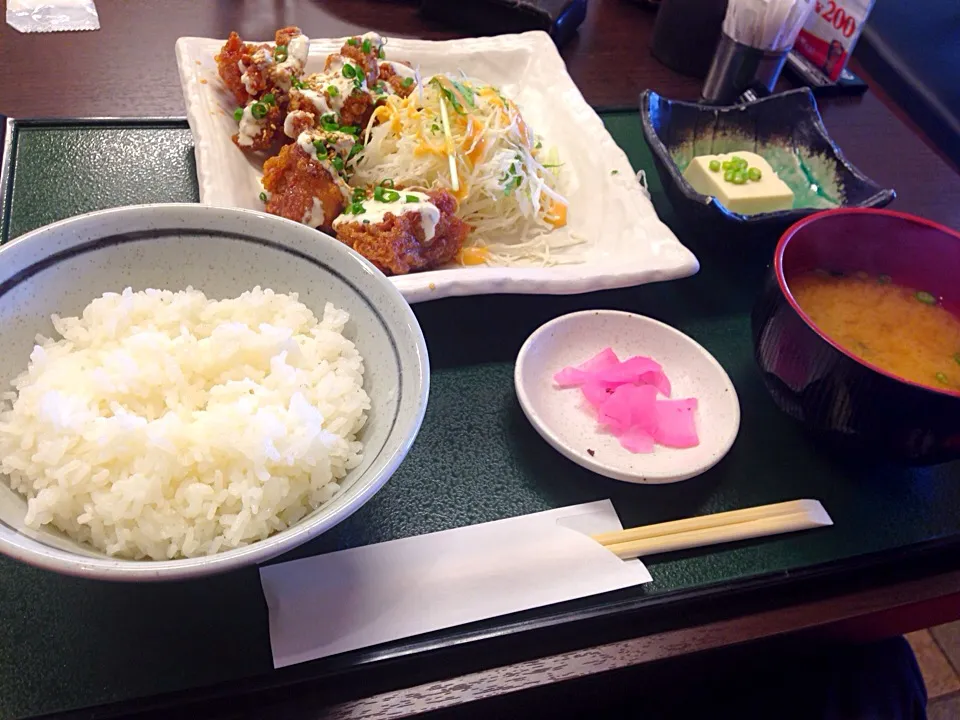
{"x": 364, "y": 596}
{"x": 36, "y": 16}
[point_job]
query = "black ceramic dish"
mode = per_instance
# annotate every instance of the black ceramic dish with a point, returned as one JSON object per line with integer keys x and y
{"x": 845, "y": 400}
{"x": 786, "y": 129}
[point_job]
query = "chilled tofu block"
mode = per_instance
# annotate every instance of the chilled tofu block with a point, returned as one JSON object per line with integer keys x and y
{"x": 765, "y": 193}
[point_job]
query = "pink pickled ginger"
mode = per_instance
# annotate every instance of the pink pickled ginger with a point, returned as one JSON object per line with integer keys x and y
{"x": 625, "y": 397}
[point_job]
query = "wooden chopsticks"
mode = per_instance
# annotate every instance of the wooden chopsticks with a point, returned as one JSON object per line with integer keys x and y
{"x": 717, "y": 528}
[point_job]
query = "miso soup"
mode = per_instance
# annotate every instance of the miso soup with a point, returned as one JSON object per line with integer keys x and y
{"x": 903, "y": 330}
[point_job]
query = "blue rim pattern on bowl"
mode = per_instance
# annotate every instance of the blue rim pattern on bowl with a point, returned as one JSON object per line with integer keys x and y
{"x": 409, "y": 353}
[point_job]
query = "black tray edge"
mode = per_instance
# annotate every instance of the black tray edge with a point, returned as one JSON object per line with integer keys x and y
{"x": 346, "y": 678}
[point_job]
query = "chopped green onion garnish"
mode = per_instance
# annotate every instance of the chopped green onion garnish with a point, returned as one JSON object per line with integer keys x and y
{"x": 263, "y": 197}
{"x": 942, "y": 378}
{"x": 259, "y": 110}
{"x": 270, "y": 99}
{"x": 357, "y": 147}
{"x": 883, "y": 279}
{"x": 238, "y": 114}
{"x": 358, "y": 82}
{"x": 359, "y": 194}
{"x": 381, "y": 54}
{"x": 349, "y": 71}
{"x": 412, "y": 198}
{"x": 388, "y": 183}
{"x": 349, "y": 129}
{"x": 320, "y": 146}
{"x": 754, "y": 174}
{"x": 390, "y": 196}
{"x": 538, "y": 145}
{"x": 355, "y": 208}
{"x": 337, "y": 162}
{"x": 330, "y": 127}
{"x": 434, "y": 128}
{"x": 332, "y": 90}
{"x": 352, "y": 41}
{"x": 328, "y": 118}
{"x": 407, "y": 82}
{"x": 715, "y": 165}
{"x": 365, "y": 47}
{"x": 280, "y": 53}
{"x": 926, "y": 298}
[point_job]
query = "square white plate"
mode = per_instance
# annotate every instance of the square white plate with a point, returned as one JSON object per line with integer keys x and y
{"x": 625, "y": 242}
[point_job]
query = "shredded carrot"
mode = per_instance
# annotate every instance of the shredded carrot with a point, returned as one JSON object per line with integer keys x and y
{"x": 474, "y": 255}
{"x": 426, "y": 148}
{"x": 473, "y": 144}
{"x": 557, "y": 214}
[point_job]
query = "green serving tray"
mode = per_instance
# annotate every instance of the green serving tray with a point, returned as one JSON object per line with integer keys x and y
{"x": 68, "y": 643}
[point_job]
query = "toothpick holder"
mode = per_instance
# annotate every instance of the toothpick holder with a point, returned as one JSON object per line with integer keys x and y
{"x": 737, "y": 67}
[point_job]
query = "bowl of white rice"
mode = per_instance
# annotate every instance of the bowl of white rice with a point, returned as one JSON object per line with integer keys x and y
{"x": 187, "y": 389}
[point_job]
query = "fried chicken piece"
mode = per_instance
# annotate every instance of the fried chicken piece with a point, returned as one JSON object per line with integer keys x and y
{"x": 397, "y": 244}
{"x": 357, "y": 109}
{"x": 400, "y": 84}
{"x": 298, "y": 121}
{"x": 283, "y": 36}
{"x": 259, "y": 134}
{"x": 367, "y": 60}
{"x": 351, "y": 106}
{"x": 228, "y": 66}
{"x": 250, "y": 71}
{"x": 295, "y": 181}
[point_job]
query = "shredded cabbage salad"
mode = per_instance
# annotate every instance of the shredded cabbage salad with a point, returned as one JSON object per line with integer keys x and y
{"x": 465, "y": 136}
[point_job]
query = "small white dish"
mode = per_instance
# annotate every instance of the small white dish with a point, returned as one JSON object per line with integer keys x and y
{"x": 624, "y": 242}
{"x": 561, "y": 415}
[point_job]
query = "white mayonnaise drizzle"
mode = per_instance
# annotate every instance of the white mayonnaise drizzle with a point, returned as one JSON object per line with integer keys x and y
{"x": 318, "y": 93}
{"x": 375, "y": 211}
{"x": 290, "y": 122}
{"x": 374, "y": 38}
{"x": 297, "y": 51}
{"x": 261, "y": 59}
{"x": 314, "y": 216}
{"x": 341, "y": 142}
{"x": 404, "y": 71}
{"x": 250, "y": 127}
{"x": 317, "y": 99}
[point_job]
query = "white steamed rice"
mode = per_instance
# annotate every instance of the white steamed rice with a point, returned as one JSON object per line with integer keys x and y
{"x": 166, "y": 424}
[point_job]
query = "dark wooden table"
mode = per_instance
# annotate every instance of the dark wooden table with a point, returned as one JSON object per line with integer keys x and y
{"x": 128, "y": 69}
